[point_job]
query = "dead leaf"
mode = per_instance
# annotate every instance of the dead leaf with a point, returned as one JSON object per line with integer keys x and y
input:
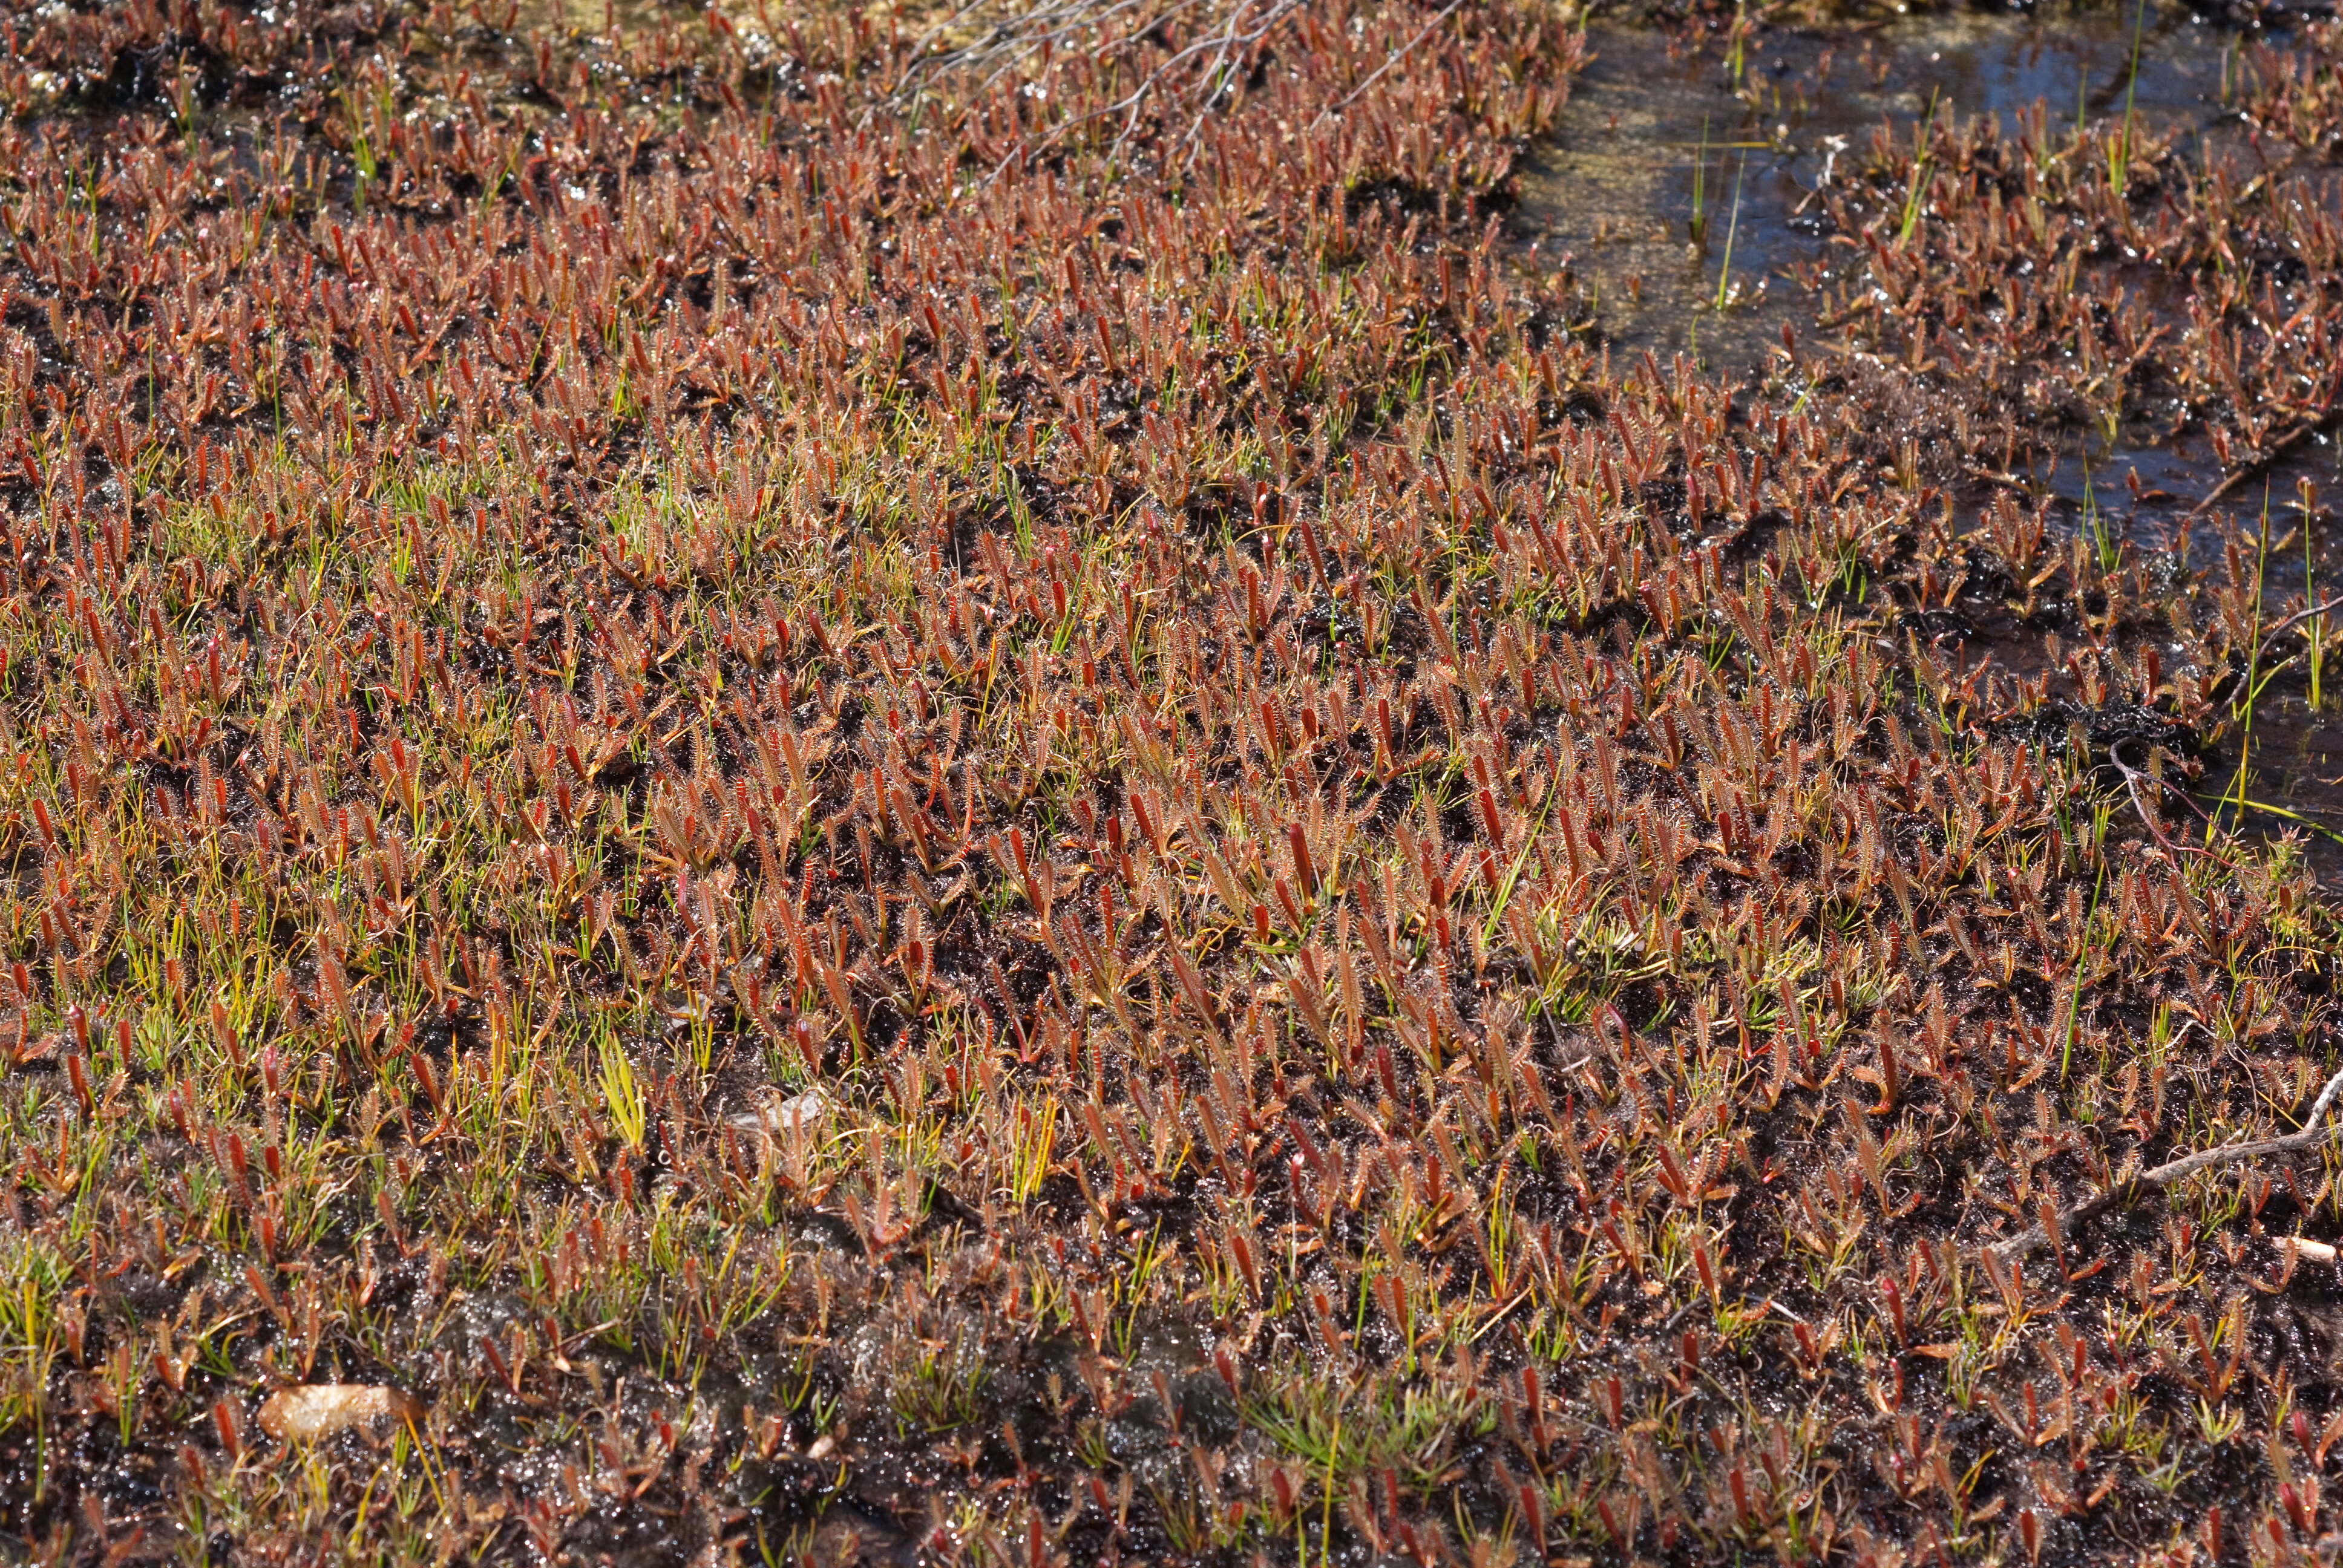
{"x": 313, "y": 1410}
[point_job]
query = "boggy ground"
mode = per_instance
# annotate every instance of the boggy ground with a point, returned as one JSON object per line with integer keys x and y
{"x": 902, "y": 797}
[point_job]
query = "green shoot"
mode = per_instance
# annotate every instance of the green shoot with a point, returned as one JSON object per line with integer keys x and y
{"x": 1732, "y": 227}
{"x": 2094, "y": 521}
{"x": 1699, "y": 187}
{"x": 622, "y": 1093}
{"x": 2250, "y": 691}
{"x": 2119, "y": 164}
{"x": 2317, "y": 631}
{"x": 1916, "y": 198}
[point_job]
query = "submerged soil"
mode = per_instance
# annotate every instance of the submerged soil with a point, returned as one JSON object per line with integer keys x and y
{"x": 1683, "y": 184}
{"x": 1286, "y": 782}
{"x": 1684, "y": 192}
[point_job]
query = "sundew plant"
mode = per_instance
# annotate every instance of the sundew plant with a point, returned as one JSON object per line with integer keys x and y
{"x": 861, "y": 784}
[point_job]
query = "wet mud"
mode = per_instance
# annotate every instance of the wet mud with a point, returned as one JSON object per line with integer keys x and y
{"x": 1681, "y": 189}
{"x": 1683, "y": 196}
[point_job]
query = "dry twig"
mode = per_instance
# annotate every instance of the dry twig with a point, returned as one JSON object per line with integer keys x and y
{"x": 2290, "y": 622}
{"x": 1390, "y": 60}
{"x": 2131, "y": 777}
{"x": 1201, "y": 71}
{"x": 2309, "y": 426}
{"x": 2149, "y": 1182}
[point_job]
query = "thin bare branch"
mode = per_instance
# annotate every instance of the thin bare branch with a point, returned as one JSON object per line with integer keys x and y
{"x": 2151, "y": 1182}
{"x": 1393, "y": 58}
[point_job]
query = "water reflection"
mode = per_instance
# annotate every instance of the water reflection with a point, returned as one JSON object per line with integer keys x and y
{"x": 1679, "y": 189}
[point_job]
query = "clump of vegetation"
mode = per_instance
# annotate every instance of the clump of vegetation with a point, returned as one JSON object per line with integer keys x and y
{"x": 795, "y": 789}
